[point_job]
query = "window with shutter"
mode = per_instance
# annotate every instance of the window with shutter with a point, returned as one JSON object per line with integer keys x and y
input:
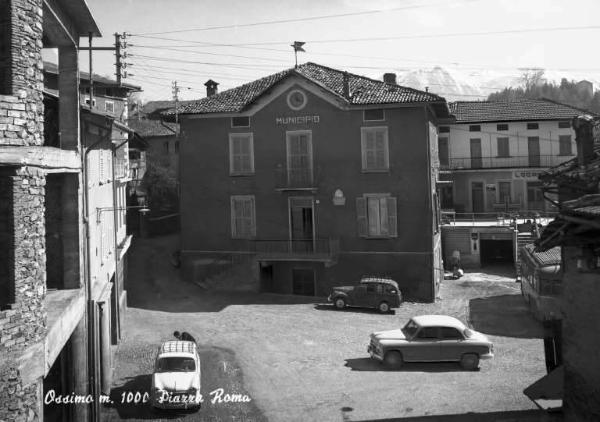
{"x": 299, "y": 158}
{"x": 564, "y": 145}
{"x": 241, "y": 153}
{"x": 376, "y": 216}
{"x": 503, "y": 147}
{"x": 375, "y": 148}
{"x": 243, "y": 219}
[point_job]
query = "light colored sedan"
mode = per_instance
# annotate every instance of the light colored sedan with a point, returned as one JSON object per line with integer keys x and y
{"x": 431, "y": 338}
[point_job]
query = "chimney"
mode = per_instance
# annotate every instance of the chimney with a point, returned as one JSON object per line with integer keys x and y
{"x": 211, "y": 88}
{"x": 584, "y": 136}
{"x": 389, "y": 78}
{"x": 346, "y": 87}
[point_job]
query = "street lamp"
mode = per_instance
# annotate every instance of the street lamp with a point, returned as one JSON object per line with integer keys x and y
{"x": 143, "y": 209}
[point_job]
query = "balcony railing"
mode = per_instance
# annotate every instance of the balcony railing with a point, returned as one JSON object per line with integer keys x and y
{"x": 504, "y": 162}
{"x": 296, "y": 178}
{"x": 297, "y": 250}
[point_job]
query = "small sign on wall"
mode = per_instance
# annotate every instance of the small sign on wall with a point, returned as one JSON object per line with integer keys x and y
{"x": 490, "y": 187}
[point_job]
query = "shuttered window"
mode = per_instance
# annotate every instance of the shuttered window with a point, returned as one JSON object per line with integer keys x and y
{"x": 564, "y": 144}
{"x": 243, "y": 217}
{"x": 503, "y": 147}
{"x": 374, "y": 146}
{"x": 299, "y": 157}
{"x": 376, "y": 216}
{"x": 241, "y": 153}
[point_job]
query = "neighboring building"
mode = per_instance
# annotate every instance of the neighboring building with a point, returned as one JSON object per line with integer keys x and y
{"x": 44, "y": 297}
{"x": 162, "y": 143}
{"x": 491, "y": 154}
{"x": 106, "y": 174}
{"x": 311, "y": 178}
{"x": 577, "y": 230}
{"x": 109, "y": 97}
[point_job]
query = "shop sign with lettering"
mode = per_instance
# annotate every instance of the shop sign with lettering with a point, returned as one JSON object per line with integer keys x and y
{"x": 295, "y": 120}
{"x": 527, "y": 174}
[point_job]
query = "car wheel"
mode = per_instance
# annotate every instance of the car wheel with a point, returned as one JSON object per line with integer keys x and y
{"x": 469, "y": 361}
{"x": 340, "y": 303}
{"x": 393, "y": 359}
{"x": 384, "y": 307}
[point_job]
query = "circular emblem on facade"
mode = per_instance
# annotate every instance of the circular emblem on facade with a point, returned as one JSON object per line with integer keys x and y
{"x": 296, "y": 99}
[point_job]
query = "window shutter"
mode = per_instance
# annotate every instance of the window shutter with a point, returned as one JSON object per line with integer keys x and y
{"x": 252, "y": 217}
{"x": 233, "y": 217}
{"x": 361, "y": 216}
{"x": 392, "y": 219}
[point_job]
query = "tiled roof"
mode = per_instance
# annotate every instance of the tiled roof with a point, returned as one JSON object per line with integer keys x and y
{"x": 363, "y": 91}
{"x": 567, "y": 231}
{"x": 549, "y": 257}
{"x": 505, "y": 111}
{"x": 149, "y": 128}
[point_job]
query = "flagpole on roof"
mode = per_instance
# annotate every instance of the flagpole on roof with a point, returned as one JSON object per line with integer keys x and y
{"x": 297, "y": 46}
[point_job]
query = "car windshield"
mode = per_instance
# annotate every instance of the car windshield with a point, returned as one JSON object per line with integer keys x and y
{"x": 175, "y": 364}
{"x": 468, "y": 333}
{"x": 410, "y": 328}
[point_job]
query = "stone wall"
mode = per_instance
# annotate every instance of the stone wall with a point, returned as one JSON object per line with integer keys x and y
{"x": 21, "y": 73}
{"x": 24, "y": 323}
{"x": 581, "y": 338}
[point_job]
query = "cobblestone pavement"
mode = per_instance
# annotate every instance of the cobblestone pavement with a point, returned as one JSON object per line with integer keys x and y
{"x": 300, "y": 360}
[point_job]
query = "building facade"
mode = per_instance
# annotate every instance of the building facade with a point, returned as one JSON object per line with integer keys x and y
{"x": 43, "y": 309}
{"x": 311, "y": 178}
{"x": 493, "y": 153}
{"x": 63, "y": 173}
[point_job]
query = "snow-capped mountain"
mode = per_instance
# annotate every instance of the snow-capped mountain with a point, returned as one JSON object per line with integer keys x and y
{"x": 456, "y": 84}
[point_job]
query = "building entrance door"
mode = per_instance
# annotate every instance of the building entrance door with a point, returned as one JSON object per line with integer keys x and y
{"x": 301, "y": 224}
{"x": 477, "y": 197}
{"x": 533, "y": 148}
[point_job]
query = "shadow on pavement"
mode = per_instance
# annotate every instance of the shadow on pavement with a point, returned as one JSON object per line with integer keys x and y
{"x": 505, "y": 416}
{"x": 330, "y": 307}
{"x": 153, "y": 283}
{"x": 504, "y": 315}
{"x": 368, "y": 364}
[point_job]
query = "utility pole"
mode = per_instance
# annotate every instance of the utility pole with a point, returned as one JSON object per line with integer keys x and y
{"x": 175, "y": 91}
{"x": 119, "y": 47}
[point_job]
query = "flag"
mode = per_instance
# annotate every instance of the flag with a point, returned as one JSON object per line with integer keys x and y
{"x": 298, "y": 46}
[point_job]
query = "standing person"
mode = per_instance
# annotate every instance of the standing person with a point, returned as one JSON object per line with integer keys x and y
{"x": 185, "y": 336}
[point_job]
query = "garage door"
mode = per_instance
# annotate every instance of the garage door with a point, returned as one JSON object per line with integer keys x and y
{"x": 496, "y": 252}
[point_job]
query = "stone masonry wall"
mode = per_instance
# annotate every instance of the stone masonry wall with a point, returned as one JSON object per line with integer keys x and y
{"x": 581, "y": 338}
{"x": 24, "y": 324}
{"x": 21, "y": 71}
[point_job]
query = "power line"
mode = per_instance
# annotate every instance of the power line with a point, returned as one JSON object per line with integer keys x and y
{"x": 304, "y": 19}
{"x": 450, "y": 34}
{"x": 206, "y": 53}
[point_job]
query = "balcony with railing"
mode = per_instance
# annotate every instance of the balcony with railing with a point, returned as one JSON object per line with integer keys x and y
{"x": 535, "y": 161}
{"x": 323, "y": 250}
{"x": 302, "y": 178}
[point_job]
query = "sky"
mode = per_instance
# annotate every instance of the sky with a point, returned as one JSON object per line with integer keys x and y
{"x": 237, "y": 41}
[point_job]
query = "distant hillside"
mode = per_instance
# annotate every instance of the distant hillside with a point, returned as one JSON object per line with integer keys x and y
{"x": 459, "y": 84}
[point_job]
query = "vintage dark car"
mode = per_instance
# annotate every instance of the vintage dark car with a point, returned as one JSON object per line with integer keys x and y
{"x": 371, "y": 292}
{"x": 431, "y": 338}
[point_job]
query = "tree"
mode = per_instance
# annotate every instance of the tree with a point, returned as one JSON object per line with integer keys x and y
{"x": 160, "y": 184}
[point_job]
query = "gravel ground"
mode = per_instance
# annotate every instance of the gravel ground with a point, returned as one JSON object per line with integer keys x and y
{"x": 300, "y": 360}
